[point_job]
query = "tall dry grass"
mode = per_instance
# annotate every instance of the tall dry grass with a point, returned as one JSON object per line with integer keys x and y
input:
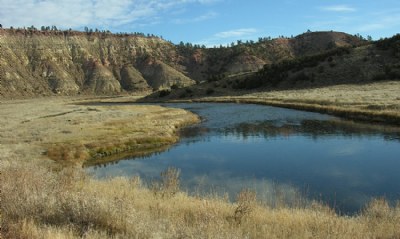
{"x": 37, "y": 202}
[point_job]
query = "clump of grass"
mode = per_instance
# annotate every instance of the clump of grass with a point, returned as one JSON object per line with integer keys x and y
{"x": 246, "y": 202}
{"x": 68, "y": 152}
{"x": 169, "y": 185}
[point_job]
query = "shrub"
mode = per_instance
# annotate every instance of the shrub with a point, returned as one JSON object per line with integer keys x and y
{"x": 189, "y": 91}
{"x": 169, "y": 184}
{"x": 183, "y": 95}
{"x": 301, "y": 77}
{"x": 164, "y": 93}
{"x": 246, "y": 201}
{"x": 210, "y": 91}
{"x": 377, "y": 209}
{"x": 175, "y": 86}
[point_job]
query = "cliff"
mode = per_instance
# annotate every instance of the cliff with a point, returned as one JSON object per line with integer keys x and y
{"x": 69, "y": 63}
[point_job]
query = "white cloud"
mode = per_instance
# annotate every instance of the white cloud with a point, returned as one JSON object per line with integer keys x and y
{"x": 336, "y": 23}
{"x": 381, "y": 22}
{"x": 227, "y": 37}
{"x": 236, "y": 33}
{"x": 201, "y": 18}
{"x": 339, "y": 8}
{"x": 79, "y": 13}
{"x": 208, "y": 1}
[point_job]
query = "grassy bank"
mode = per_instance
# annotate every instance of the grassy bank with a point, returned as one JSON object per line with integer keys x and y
{"x": 70, "y": 133}
{"x": 40, "y": 203}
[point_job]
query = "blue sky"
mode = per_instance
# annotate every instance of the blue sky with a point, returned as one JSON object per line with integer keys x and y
{"x": 209, "y": 22}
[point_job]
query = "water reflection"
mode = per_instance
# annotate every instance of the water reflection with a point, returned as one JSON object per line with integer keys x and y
{"x": 280, "y": 153}
{"x": 311, "y": 128}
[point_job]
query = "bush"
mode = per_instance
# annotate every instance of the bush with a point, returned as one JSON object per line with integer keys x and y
{"x": 379, "y": 77}
{"x": 390, "y": 73}
{"x": 176, "y": 86}
{"x": 253, "y": 83}
{"x": 210, "y": 91}
{"x": 246, "y": 201}
{"x": 164, "y": 93}
{"x": 169, "y": 184}
{"x": 392, "y": 44}
{"x": 301, "y": 77}
{"x": 216, "y": 77}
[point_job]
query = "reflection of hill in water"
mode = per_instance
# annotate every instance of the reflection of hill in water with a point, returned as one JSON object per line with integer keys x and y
{"x": 310, "y": 128}
{"x": 313, "y": 128}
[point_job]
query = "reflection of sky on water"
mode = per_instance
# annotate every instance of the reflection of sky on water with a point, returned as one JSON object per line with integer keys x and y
{"x": 278, "y": 150}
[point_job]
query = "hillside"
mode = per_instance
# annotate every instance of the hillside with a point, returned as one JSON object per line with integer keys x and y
{"x": 69, "y": 63}
{"x": 309, "y": 67}
{"x": 215, "y": 63}
{"x": 35, "y": 63}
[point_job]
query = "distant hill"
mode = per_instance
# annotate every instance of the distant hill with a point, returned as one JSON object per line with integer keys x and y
{"x": 311, "y": 65}
{"x": 339, "y": 65}
{"x": 205, "y": 64}
{"x": 69, "y": 63}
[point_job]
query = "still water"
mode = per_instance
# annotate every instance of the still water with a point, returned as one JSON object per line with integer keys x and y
{"x": 281, "y": 153}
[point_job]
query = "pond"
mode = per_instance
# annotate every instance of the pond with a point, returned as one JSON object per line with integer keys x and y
{"x": 286, "y": 156}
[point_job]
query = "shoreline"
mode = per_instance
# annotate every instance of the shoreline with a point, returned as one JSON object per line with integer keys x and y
{"x": 351, "y": 114}
{"x": 382, "y": 118}
{"x": 377, "y": 102}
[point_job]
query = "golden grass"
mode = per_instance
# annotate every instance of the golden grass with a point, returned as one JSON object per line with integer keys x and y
{"x": 40, "y": 203}
{"x": 58, "y": 129}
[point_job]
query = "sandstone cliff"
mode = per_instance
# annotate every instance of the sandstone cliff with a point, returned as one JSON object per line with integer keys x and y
{"x": 68, "y": 63}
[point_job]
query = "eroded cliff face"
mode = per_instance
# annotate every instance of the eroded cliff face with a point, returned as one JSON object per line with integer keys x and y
{"x": 70, "y": 63}
{"x": 36, "y": 63}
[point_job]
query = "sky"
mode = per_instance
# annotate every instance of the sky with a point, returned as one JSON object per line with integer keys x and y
{"x": 208, "y": 22}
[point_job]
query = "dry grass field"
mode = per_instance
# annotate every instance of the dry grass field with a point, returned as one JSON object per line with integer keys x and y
{"x": 41, "y": 203}
{"x": 42, "y": 198}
